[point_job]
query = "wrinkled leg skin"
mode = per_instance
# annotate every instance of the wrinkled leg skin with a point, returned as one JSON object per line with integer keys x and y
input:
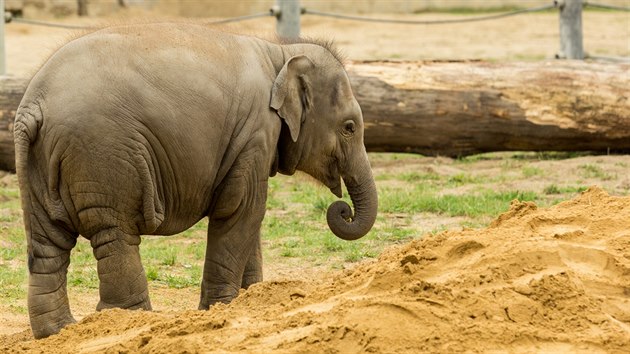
{"x": 253, "y": 269}
{"x": 49, "y": 247}
{"x": 233, "y": 257}
{"x": 232, "y": 262}
{"x": 122, "y": 281}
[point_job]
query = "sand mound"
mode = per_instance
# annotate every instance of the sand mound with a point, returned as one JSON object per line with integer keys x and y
{"x": 552, "y": 280}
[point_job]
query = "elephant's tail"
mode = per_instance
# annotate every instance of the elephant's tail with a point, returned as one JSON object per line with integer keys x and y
{"x": 31, "y": 177}
{"x": 25, "y": 129}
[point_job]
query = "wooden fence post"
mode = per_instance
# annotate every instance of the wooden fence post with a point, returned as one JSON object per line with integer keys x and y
{"x": 288, "y": 15}
{"x": 571, "y": 29}
{"x": 82, "y": 7}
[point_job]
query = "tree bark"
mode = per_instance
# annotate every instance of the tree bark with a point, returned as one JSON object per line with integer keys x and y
{"x": 11, "y": 92}
{"x": 463, "y": 108}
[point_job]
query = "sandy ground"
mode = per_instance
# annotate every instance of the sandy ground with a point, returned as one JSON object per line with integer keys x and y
{"x": 536, "y": 280}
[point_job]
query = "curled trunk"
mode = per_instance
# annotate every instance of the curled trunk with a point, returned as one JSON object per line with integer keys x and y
{"x": 346, "y": 224}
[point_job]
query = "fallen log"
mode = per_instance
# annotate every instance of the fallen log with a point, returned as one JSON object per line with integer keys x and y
{"x": 463, "y": 108}
{"x": 11, "y": 92}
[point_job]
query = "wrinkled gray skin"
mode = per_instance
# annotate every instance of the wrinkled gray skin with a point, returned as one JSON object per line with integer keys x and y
{"x": 146, "y": 129}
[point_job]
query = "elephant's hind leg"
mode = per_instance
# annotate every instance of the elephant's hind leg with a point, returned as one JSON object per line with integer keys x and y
{"x": 49, "y": 248}
{"x": 123, "y": 282}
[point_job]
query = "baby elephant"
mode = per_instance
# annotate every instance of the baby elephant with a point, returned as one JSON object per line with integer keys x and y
{"x": 146, "y": 129}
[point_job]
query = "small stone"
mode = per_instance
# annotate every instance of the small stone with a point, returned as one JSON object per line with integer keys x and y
{"x": 297, "y": 294}
{"x": 523, "y": 289}
{"x": 409, "y": 268}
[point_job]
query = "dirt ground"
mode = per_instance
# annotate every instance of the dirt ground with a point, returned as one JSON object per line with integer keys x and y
{"x": 535, "y": 280}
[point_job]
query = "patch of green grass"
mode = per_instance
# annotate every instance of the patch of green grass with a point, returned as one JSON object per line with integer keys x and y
{"x": 152, "y": 273}
{"x": 12, "y": 283}
{"x": 594, "y": 171}
{"x": 9, "y": 193}
{"x": 386, "y": 157}
{"x": 523, "y": 156}
{"x": 355, "y": 252}
{"x": 554, "y": 189}
{"x": 274, "y": 201}
{"x": 461, "y": 179}
{"x": 179, "y": 282}
{"x": 508, "y": 165}
{"x": 486, "y": 202}
{"x": 530, "y": 171}
{"x": 488, "y": 156}
{"x": 389, "y": 232}
{"x": 13, "y": 242}
{"x": 82, "y": 270}
{"x": 418, "y": 176}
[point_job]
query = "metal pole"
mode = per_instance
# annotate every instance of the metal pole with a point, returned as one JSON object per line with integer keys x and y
{"x": 3, "y": 54}
{"x": 288, "y": 15}
{"x": 571, "y": 29}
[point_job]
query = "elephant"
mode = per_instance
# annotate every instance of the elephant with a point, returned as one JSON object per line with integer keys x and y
{"x": 145, "y": 129}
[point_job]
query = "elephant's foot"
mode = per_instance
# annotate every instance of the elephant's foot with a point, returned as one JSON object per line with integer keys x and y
{"x": 250, "y": 279}
{"x": 49, "y": 311}
{"x": 142, "y": 304}
{"x": 48, "y": 306}
{"x": 123, "y": 283}
{"x": 212, "y": 294}
{"x": 50, "y": 323}
{"x": 253, "y": 269}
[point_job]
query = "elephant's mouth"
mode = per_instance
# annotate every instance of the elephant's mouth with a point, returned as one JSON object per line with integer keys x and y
{"x": 332, "y": 180}
{"x": 336, "y": 189}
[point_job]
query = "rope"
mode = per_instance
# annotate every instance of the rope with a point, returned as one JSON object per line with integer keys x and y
{"x": 608, "y": 7}
{"x": 59, "y": 25}
{"x": 343, "y": 17}
{"x": 427, "y": 22}
{"x": 241, "y": 18}
{"x": 47, "y": 24}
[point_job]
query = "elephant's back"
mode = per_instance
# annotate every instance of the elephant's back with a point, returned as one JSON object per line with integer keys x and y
{"x": 142, "y": 125}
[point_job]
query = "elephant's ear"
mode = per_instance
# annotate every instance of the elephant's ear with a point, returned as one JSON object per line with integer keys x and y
{"x": 291, "y": 93}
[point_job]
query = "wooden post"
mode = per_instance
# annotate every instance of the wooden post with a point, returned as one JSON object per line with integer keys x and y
{"x": 571, "y": 29}
{"x": 288, "y": 15}
{"x": 3, "y": 55}
{"x": 82, "y": 7}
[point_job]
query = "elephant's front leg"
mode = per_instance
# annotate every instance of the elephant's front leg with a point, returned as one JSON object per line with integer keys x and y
{"x": 253, "y": 269}
{"x": 233, "y": 249}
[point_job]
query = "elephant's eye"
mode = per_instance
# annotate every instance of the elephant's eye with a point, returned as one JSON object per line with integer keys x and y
{"x": 349, "y": 127}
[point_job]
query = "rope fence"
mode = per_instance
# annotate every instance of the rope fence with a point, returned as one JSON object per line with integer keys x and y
{"x": 288, "y": 12}
{"x": 44, "y": 23}
{"x": 9, "y": 18}
{"x": 305, "y": 11}
{"x": 606, "y": 7}
{"x": 428, "y": 22}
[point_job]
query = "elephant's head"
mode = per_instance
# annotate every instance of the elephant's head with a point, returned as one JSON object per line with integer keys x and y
{"x": 323, "y": 136}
